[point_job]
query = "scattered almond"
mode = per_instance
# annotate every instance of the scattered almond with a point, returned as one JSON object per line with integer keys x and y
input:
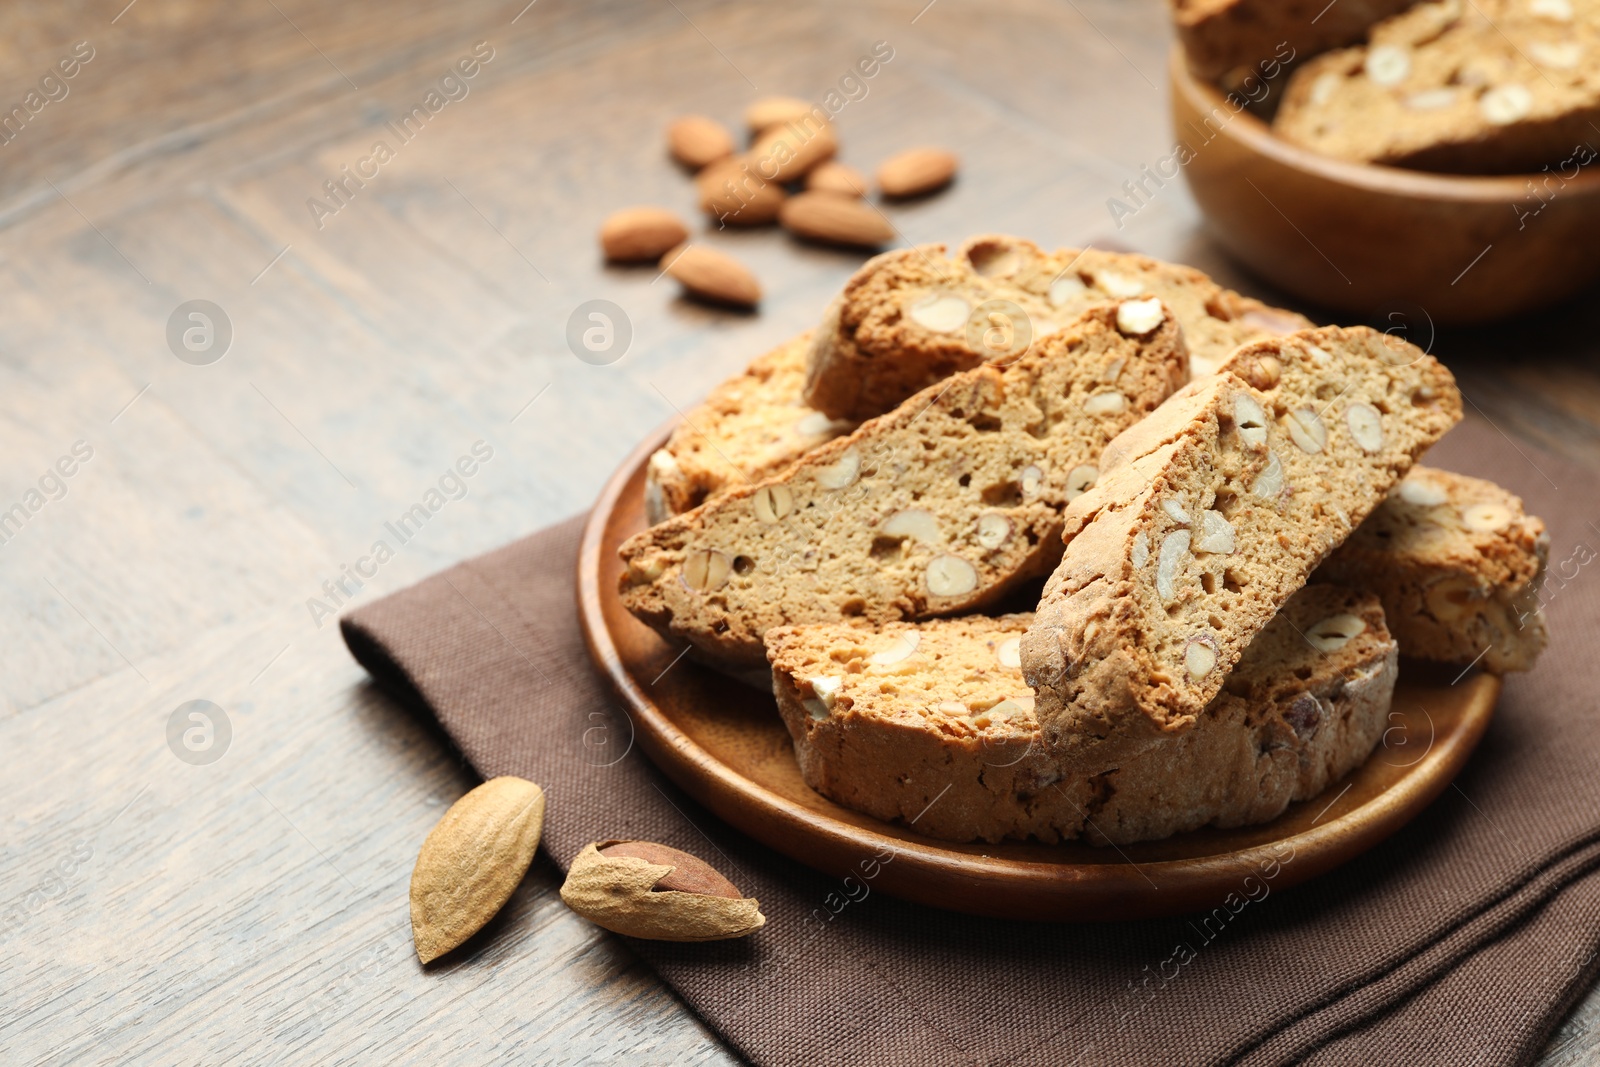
{"x": 708, "y": 273}
{"x": 472, "y": 861}
{"x": 641, "y": 233}
{"x": 915, "y": 172}
{"x": 695, "y": 141}
{"x": 788, "y": 151}
{"x": 835, "y": 218}
{"x": 836, "y": 177}
{"x": 772, "y": 111}
{"x": 735, "y": 195}
{"x": 643, "y": 889}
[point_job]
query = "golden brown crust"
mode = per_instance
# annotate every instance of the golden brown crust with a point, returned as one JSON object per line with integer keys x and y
{"x": 931, "y": 724}
{"x": 912, "y": 317}
{"x": 940, "y": 507}
{"x": 1456, "y": 562}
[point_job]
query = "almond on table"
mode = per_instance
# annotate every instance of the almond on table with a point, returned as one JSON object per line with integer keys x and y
{"x": 712, "y": 275}
{"x": 916, "y": 172}
{"x": 733, "y": 193}
{"x": 835, "y": 218}
{"x": 637, "y": 234}
{"x": 790, "y": 150}
{"x": 696, "y": 141}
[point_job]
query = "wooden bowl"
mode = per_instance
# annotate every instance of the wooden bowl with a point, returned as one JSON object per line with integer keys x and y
{"x": 725, "y": 745}
{"x": 1365, "y": 239}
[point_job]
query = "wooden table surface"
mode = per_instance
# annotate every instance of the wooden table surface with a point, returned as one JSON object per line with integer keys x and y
{"x": 254, "y": 909}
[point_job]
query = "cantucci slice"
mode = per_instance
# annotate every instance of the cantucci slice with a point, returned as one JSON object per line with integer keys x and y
{"x": 911, "y": 317}
{"x": 939, "y": 507}
{"x": 1211, "y": 513}
{"x": 1457, "y": 564}
{"x": 931, "y": 725}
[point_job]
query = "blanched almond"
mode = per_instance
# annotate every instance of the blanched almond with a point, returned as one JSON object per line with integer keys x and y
{"x": 1009, "y": 652}
{"x": 842, "y": 471}
{"x": 918, "y": 524}
{"x": 706, "y": 570}
{"x": 994, "y": 529}
{"x": 940, "y": 312}
{"x": 951, "y": 576}
{"x": 772, "y": 502}
{"x": 900, "y": 649}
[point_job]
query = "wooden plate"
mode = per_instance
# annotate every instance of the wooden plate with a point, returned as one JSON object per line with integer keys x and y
{"x": 724, "y": 744}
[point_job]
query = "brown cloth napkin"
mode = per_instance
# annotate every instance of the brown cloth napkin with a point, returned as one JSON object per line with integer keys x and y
{"x": 1463, "y": 939}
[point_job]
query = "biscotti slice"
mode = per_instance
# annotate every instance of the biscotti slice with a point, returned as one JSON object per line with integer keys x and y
{"x": 911, "y": 317}
{"x": 751, "y": 426}
{"x": 1479, "y": 87}
{"x": 1209, "y": 514}
{"x": 931, "y": 724}
{"x": 1228, "y": 39}
{"x": 1457, "y": 563}
{"x": 939, "y": 507}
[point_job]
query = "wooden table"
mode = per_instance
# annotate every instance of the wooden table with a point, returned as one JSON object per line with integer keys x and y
{"x": 254, "y": 909}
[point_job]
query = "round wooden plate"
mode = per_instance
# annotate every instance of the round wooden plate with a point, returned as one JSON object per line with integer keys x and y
{"x": 723, "y": 743}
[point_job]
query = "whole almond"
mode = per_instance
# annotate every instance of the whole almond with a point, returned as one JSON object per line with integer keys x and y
{"x": 836, "y": 219}
{"x": 708, "y": 273}
{"x": 773, "y": 110}
{"x": 918, "y": 171}
{"x": 695, "y": 140}
{"x": 641, "y": 233}
{"x": 789, "y": 150}
{"x": 732, "y": 193}
{"x": 642, "y": 889}
{"x": 472, "y": 861}
{"x": 836, "y": 177}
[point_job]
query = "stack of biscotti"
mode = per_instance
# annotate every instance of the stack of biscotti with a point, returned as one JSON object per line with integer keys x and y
{"x": 1456, "y": 562}
{"x": 758, "y": 422}
{"x": 938, "y": 508}
{"x": 1210, "y": 514}
{"x": 1156, "y": 688}
{"x": 1466, "y": 86}
{"x": 931, "y": 724}
{"x": 912, "y": 317}
{"x": 1227, "y": 39}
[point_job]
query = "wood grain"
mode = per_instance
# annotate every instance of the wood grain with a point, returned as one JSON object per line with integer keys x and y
{"x": 254, "y": 910}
